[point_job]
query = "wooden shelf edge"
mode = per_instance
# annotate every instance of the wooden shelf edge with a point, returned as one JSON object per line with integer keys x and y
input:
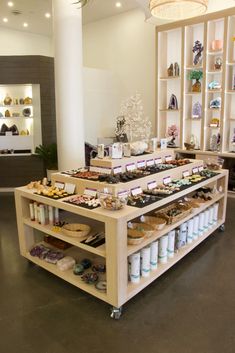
{"x": 47, "y": 230}
{"x": 133, "y": 288}
{"x": 131, "y": 249}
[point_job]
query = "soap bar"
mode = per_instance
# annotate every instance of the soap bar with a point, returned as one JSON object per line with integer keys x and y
{"x": 66, "y": 263}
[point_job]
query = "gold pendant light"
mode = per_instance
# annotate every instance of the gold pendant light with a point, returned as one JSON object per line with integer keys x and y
{"x": 177, "y": 9}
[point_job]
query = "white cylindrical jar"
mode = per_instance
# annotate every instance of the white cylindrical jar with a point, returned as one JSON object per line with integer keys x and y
{"x": 134, "y": 267}
{"x": 182, "y": 236}
{"x": 31, "y": 211}
{"x": 51, "y": 214}
{"x": 216, "y": 211}
{"x": 206, "y": 219}
{"x": 211, "y": 216}
{"x": 145, "y": 261}
{"x": 162, "y": 254}
{"x": 153, "y": 255}
{"x": 195, "y": 227}
{"x": 42, "y": 214}
{"x": 171, "y": 244}
{"x": 201, "y": 223}
{"x": 190, "y": 231}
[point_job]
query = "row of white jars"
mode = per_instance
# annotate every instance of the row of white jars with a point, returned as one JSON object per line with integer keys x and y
{"x": 143, "y": 262}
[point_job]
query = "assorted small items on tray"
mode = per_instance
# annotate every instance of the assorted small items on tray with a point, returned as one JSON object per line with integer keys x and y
{"x": 90, "y": 273}
{"x": 86, "y": 201}
{"x": 56, "y": 192}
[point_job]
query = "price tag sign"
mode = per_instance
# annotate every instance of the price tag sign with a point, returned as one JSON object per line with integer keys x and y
{"x": 201, "y": 168}
{"x": 130, "y": 167}
{"x": 90, "y": 192}
{"x": 59, "y": 185}
{"x": 168, "y": 158}
{"x": 185, "y": 173}
{"x": 106, "y": 171}
{"x": 141, "y": 164}
{"x": 117, "y": 170}
{"x": 136, "y": 191}
{"x": 150, "y": 162}
{"x": 167, "y": 180}
{"x": 152, "y": 185}
{"x": 195, "y": 170}
{"x": 69, "y": 188}
{"x": 123, "y": 193}
{"x": 158, "y": 160}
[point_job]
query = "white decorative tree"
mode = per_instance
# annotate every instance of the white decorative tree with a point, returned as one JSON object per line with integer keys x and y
{"x": 138, "y": 126}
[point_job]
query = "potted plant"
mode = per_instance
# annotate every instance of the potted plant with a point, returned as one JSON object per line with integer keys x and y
{"x": 48, "y": 153}
{"x": 196, "y": 75}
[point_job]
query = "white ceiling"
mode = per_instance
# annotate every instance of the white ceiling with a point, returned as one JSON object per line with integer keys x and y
{"x": 33, "y": 12}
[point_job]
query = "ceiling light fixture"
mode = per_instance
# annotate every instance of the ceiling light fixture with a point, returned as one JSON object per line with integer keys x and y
{"x": 10, "y": 3}
{"x": 25, "y": 24}
{"x": 47, "y": 15}
{"x": 177, "y": 9}
{"x": 118, "y": 4}
{"x": 5, "y": 19}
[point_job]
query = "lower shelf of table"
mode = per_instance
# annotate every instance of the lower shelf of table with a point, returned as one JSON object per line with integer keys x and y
{"x": 68, "y": 276}
{"x": 134, "y": 288}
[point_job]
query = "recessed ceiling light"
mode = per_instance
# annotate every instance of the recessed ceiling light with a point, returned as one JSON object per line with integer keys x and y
{"x": 47, "y": 15}
{"x": 25, "y": 24}
{"x": 5, "y": 19}
{"x": 118, "y": 4}
{"x": 10, "y": 3}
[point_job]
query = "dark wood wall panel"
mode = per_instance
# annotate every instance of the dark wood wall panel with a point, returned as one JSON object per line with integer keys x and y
{"x": 35, "y": 70}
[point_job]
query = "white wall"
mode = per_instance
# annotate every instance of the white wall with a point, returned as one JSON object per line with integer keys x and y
{"x": 24, "y": 43}
{"x": 125, "y": 45}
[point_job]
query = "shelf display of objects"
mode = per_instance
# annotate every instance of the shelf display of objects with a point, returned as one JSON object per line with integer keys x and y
{"x": 206, "y": 45}
{"x": 20, "y": 107}
{"x": 97, "y": 263}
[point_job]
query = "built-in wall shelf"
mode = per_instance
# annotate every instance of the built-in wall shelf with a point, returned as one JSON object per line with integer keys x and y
{"x": 175, "y": 43}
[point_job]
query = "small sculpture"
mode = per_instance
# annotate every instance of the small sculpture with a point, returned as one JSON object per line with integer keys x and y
{"x": 173, "y": 104}
{"x": 197, "y": 50}
{"x": 213, "y": 143}
{"x": 194, "y": 141}
{"x": 176, "y": 69}
{"x": 214, "y": 85}
{"x": 214, "y": 122}
{"x": 170, "y": 70}
{"x": 215, "y": 103}
{"x": 218, "y": 64}
{"x": 172, "y": 132}
{"x": 7, "y": 100}
{"x": 26, "y": 112}
{"x": 28, "y": 101}
{"x": 7, "y": 114}
{"x": 197, "y": 110}
{"x": 196, "y": 75}
{"x": 120, "y": 130}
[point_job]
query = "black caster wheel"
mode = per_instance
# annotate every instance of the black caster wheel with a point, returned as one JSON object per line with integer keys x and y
{"x": 222, "y": 228}
{"x": 116, "y": 313}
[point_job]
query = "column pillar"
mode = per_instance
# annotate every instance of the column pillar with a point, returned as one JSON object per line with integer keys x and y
{"x": 67, "y": 21}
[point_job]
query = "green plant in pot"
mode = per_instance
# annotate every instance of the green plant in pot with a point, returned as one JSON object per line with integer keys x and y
{"x": 196, "y": 75}
{"x": 48, "y": 153}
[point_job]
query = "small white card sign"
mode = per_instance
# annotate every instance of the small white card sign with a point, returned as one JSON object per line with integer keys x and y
{"x": 59, "y": 185}
{"x": 117, "y": 170}
{"x": 150, "y": 162}
{"x": 195, "y": 170}
{"x": 163, "y": 143}
{"x": 152, "y": 185}
{"x": 167, "y": 180}
{"x": 141, "y": 164}
{"x": 168, "y": 158}
{"x": 90, "y": 192}
{"x": 130, "y": 167}
{"x": 201, "y": 168}
{"x": 185, "y": 173}
{"x": 69, "y": 188}
{"x": 136, "y": 191}
{"x": 158, "y": 160}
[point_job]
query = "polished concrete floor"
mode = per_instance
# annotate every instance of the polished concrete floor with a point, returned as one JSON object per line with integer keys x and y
{"x": 191, "y": 309}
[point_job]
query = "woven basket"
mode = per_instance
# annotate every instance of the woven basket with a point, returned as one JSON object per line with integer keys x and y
{"x": 184, "y": 208}
{"x": 156, "y": 222}
{"x": 140, "y": 230}
{"x": 76, "y": 230}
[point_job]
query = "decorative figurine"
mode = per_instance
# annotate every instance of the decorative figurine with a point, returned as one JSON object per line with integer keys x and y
{"x": 215, "y": 103}
{"x": 214, "y": 85}
{"x": 176, "y": 69}
{"x": 26, "y": 112}
{"x": 197, "y": 110}
{"x": 196, "y": 75}
{"x": 218, "y": 64}
{"x": 213, "y": 142}
{"x": 7, "y": 114}
{"x": 197, "y": 50}
{"x": 215, "y": 122}
{"x": 120, "y": 130}
{"x": 173, "y": 104}
{"x": 170, "y": 70}
{"x": 217, "y": 45}
{"x": 7, "y": 100}
{"x": 194, "y": 141}
{"x": 172, "y": 132}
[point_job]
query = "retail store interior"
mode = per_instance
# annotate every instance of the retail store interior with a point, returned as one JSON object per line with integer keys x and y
{"x": 117, "y": 183}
